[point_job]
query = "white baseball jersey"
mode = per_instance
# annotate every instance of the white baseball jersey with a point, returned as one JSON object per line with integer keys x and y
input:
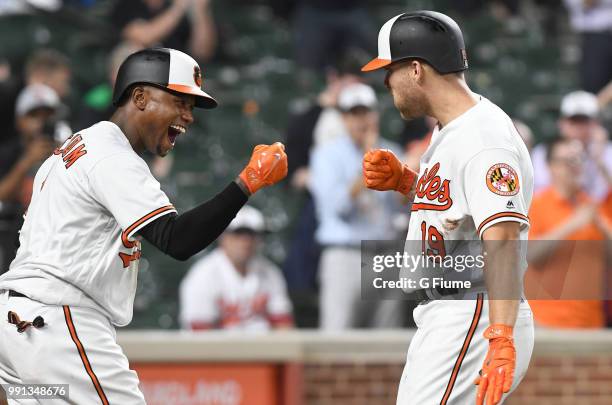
{"x": 476, "y": 172}
{"x": 77, "y": 243}
{"x": 215, "y": 294}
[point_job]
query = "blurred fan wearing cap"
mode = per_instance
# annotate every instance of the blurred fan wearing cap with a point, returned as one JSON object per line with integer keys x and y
{"x": 36, "y": 97}
{"x": 358, "y": 103}
{"x": 348, "y": 213}
{"x": 30, "y": 142}
{"x": 357, "y": 95}
{"x": 579, "y": 120}
{"x": 580, "y": 104}
{"x": 43, "y": 66}
{"x": 34, "y": 110}
{"x": 51, "y": 68}
{"x": 248, "y": 220}
{"x": 308, "y": 127}
{"x": 234, "y": 287}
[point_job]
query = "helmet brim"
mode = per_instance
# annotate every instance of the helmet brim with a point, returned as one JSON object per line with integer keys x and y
{"x": 375, "y": 64}
{"x": 202, "y": 99}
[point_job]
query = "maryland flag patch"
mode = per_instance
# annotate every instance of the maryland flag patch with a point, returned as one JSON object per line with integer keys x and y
{"x": 503, "y": 180}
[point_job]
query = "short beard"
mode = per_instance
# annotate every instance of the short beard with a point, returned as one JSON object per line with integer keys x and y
{"x": 412, "y": 106}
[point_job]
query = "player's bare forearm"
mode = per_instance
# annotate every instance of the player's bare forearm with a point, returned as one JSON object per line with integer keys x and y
{"x": 150, "y": 32}
{"x": 549, "y": 242}
{"x": 503, "y": 311}
{"x": 204, "y": 32}
{"x": 502, "y": 274}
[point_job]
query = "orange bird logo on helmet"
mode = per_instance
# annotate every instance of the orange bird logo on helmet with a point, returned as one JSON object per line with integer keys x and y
{"x": 197, "y": 76}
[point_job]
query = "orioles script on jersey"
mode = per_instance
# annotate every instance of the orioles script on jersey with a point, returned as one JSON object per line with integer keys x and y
{"x": 432, "y": 188}
{"x": 72, "y": 150}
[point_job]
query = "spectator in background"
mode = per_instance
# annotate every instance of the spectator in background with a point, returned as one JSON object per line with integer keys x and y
{"x": 315, "y": 126}
{"x": 325, "y": 30}
{"x": 593, "y": 20}
{"x": 44, "y": 66}
{"x": 564, "y": 212}
{"x": 186, "y": 25}
{"x": 51, "y": 68}
{"x": 525, "y": 133}
{"x": 20, "y": 157}
{"x": 348, "y": 213}
{"x": 233, "y": 287}
{"x": 36, "y": 106}
{"x": 579, "y": 121}
{"x": 319, "y": 123}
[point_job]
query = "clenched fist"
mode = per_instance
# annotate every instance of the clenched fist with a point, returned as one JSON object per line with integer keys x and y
{"x": 498, "y": 369}
{"x": 382, "y": 171}
{"x": 268, "y": 166}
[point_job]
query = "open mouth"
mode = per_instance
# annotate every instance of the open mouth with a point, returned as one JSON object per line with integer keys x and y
{"x": 174, "y": 131}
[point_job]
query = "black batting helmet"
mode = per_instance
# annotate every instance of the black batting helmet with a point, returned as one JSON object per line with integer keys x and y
{"x": 428, "y": 35}
{"x": 165, "y": 68}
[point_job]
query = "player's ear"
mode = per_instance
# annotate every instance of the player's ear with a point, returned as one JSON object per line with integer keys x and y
{"x": 139, "y": 97}
{"x": 418, "y": 71}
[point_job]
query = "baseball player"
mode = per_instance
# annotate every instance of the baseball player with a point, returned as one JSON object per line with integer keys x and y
{"x": 234, "y": 287}
{"x": 74, "y": 277}
{"x": 475, "y": 183}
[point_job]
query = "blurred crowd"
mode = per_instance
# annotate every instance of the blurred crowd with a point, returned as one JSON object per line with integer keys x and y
{"x": 234, "y": 286}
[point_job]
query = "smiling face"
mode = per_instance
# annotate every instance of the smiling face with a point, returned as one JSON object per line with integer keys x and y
{"x": 165, "y": 116}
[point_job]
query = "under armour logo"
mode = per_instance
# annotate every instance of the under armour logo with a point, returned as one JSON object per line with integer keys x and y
{"x": 510, "y": 205}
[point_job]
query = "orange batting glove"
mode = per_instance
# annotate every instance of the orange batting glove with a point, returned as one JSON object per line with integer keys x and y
{"x": 498, "y": 369}
{"x": 383, "y": 171}
{"x": 268, "y": 166}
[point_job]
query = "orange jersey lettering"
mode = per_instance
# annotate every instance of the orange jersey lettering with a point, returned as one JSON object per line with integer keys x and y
{"x": 70, "y": 151}
{"x": 433, "y": 189}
